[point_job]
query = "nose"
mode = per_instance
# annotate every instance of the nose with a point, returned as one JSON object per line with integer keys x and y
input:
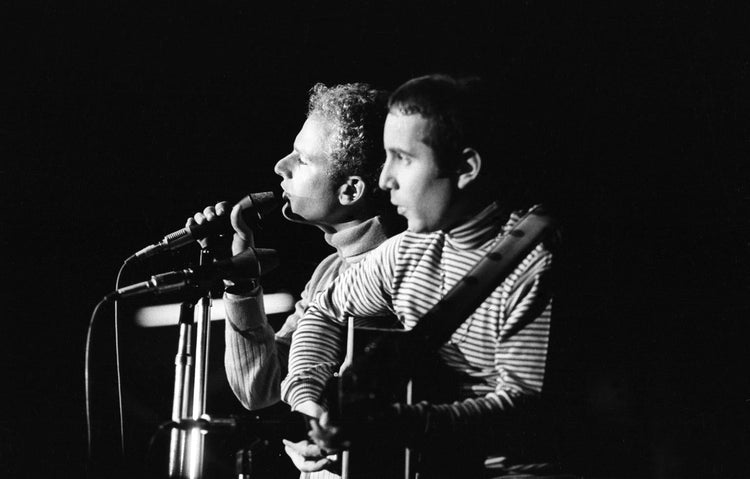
{"x": 387, "y": 181}
{"x": 282, "y": 167}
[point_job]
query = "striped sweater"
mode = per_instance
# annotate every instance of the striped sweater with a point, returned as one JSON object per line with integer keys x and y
{"x": 500, "y": 350}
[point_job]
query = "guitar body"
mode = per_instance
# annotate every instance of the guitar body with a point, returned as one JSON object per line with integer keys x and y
{"x": 381, "y": 364}
{"x": 389, "y": 367}
{"x": 353, "y": 394}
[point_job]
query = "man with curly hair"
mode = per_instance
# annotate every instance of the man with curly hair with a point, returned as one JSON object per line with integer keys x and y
{"x": 330, "y": 180}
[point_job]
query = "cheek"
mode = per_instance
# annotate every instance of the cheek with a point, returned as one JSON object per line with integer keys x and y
{"x": 318, "y": 183}
{"x": 316, "y": 186}
{"x": 428, "y": 191}
{"x": 303, "y": 183}
{"x": 434, "y": 198}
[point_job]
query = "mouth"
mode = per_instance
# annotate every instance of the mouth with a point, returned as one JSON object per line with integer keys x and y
{"x": 400, "y": 209}
{"x": 286, "y": 208}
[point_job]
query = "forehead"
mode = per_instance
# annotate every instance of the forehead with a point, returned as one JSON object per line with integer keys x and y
{"x": 403, "y": 129}
{"x": 315, "y": 135}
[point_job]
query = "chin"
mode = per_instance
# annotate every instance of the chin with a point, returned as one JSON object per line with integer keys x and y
{"x": 290, "y": 215}
{"x": 286, "y": 211}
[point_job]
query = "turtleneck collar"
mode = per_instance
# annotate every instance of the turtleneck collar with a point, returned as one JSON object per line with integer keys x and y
{"x": 357, "y": 240}
{"x": 478, "y": 230}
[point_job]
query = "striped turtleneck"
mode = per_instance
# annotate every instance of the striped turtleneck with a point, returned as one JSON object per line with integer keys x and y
{"x": 499, "y": 352}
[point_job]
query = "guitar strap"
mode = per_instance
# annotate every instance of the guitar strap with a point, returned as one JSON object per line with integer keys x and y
{"x": 438, "y": 324}
{"x": 436, "y": 327}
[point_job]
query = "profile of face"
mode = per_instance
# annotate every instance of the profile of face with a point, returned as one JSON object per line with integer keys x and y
{"x": 309, "y": 192}
{"x": 421, "y": 192}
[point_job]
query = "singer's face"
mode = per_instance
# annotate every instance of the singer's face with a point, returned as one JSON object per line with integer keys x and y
{"x": 310, "y": 193}
{"x": 419, "y": 190}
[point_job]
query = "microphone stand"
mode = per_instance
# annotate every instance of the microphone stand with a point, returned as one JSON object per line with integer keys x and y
{"x": 182, "y": 386}
{"x": 187, "y": 446}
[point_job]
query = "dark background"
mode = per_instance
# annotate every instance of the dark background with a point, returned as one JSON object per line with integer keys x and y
{"x": 121, "y": 119}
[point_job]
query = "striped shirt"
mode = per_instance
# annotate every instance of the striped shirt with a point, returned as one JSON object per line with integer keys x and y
{"x": 500, "y": 350}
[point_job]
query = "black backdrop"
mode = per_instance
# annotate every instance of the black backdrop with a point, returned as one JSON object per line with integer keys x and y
{"x": 120, "y": 119}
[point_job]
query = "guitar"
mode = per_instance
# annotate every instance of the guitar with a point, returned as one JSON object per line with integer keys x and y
{"x": 383, "y": 367}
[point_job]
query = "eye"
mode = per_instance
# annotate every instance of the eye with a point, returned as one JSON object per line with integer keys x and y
{"x": 396, "y": 156}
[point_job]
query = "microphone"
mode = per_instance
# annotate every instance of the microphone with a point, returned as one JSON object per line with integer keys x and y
{"x": 251, "y": 263}
{"x": 254, "y": 206}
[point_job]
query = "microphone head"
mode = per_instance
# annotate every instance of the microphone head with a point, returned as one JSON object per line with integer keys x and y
{"x": 266, "y": 202}
{"x": 257, "y": 206}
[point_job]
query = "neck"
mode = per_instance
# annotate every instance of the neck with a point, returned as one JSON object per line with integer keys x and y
{"x": 331, "y": 228}
{"x": 464, "y": 211}
{"x": 349, "y": 217}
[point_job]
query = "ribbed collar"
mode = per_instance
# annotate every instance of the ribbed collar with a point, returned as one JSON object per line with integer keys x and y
{"x": 478, "y": 230}
{"x": 354, "y": 241}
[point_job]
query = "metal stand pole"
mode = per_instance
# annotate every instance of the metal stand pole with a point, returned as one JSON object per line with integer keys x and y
{"x": 181, "y": 396}
{"x": 189, "y": 399}
{"x": 195, "y": 436}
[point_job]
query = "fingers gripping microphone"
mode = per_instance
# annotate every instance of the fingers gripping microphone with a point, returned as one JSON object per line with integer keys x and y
{"x": 255, "y": 207}
{"x": 251, "y": 263}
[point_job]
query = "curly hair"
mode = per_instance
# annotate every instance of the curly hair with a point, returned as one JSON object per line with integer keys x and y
{"x": 357, "y": 111}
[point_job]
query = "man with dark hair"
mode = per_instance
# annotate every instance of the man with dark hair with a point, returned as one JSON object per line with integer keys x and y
{"x": 442, "y": 168}
{"x": 329, "y": 181}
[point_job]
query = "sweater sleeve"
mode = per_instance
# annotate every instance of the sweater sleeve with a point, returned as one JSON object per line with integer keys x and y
{"x": 318, "y": 344}
{"x": 255, "y": 359}
{"x": 250, "y": 355}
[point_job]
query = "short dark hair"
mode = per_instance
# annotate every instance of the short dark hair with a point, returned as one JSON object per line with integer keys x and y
{"x": 357, "y": 111}
{"x": 457, "y": 108}
{"x": 467, "y": 112}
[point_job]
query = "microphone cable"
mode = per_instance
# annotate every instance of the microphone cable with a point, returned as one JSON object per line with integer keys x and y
{"x": 117, "y": 357}
{"x": 87, "y": 367}
{"x": 87, "y": 399}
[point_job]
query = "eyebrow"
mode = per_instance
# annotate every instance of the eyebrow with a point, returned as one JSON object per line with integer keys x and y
{"x": 295, "y": 149}
{"x": 308, "y": 156}
{"x": 398, "y": 150}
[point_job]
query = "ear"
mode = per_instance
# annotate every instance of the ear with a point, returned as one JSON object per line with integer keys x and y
{"x": 351, "y": 190}
{"x": 468, "y": 168}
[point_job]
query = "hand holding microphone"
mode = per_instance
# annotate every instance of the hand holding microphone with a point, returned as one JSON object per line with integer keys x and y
{"x": 242, "y": 239}
{"x": 213, "y": 221}
{"x": 250, "y": 210}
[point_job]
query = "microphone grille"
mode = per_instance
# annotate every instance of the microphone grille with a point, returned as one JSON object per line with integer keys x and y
{"x": 265, "y": 202}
